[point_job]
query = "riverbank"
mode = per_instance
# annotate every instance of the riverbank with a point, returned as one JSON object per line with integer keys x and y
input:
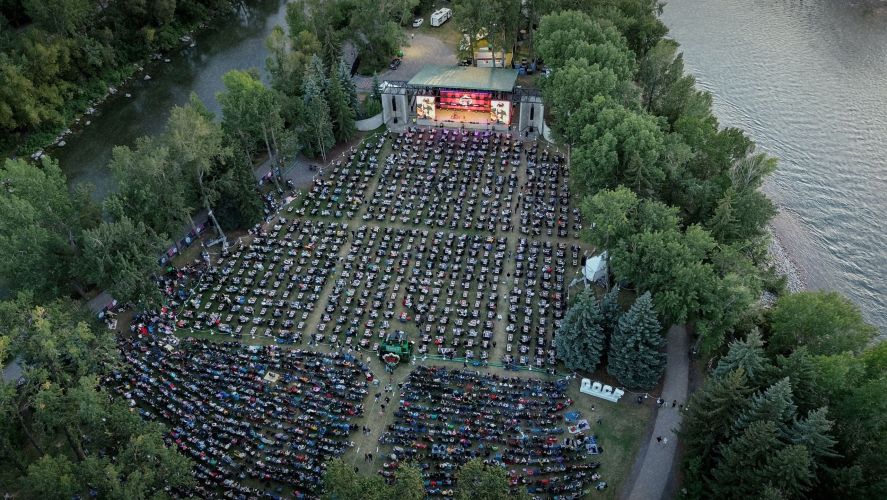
{"x": 785, "y": 266}
{"x": 806, "y": 82}
{"x": 114, "y": 83}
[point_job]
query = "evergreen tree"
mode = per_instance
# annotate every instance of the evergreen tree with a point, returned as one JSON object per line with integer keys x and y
{"x": 814, "y": 432}
{"x": 341, "y": 112}
{"x": 239, "y": 204}
{"x": 611, "y": 310}
{"x": 746, "y": 354}
{"x": 580, "y": 340}
{"x": 375, "y": 92}
{"x": 741, "y": 471}
{"x": 790, "y": 471}
{"x": 775, "y": 405}
{"x": 635, "y": 357}
{"x": 316, "y": 71}
{"x": 343, "y": 73}
{"x": 318, "y": 125}
{"x": 801, "y": 371}
{"x": 710, "y": 413}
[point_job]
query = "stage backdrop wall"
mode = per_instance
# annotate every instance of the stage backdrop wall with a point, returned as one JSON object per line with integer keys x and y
{"x": 395, "y": 109}
{"x": 531, "y": 115}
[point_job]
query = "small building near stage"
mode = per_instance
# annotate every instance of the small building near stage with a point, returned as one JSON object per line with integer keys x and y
{"x": 462, "y": 97}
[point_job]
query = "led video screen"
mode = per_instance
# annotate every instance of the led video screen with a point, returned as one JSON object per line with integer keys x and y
{"x": 500, "y": 112}
{"x": 425, "y": 107}
{"x": 465, "y": 100}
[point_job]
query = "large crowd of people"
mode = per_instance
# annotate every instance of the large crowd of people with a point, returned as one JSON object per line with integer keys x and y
{"x": 448, "y": 417}
{"x": 417, "y": 259}
{"x": 243, "y": 413}
{"x": 268, "y": 287}
{"x": 458, "y": 242}
{"x": 442, "y": 286}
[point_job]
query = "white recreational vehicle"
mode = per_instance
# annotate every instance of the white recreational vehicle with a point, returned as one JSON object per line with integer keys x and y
{"x": 440, "y": 16}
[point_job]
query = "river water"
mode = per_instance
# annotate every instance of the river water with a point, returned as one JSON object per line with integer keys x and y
{"x": 807, "y": 80}
{"x": 233, "y": 42}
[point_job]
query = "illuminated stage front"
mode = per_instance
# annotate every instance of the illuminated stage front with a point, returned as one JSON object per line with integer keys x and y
{"x": 463, "y": 108}
{"x": 459, "y": 116}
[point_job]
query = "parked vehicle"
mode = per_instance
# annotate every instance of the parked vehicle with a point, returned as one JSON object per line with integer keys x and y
{"x": 418, "y": 22}
{"x": 441, "y": 16}
{"x": 395, "y": 63}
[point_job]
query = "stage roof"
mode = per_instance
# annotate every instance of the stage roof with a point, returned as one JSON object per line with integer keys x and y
{"x": 466, "y": 77}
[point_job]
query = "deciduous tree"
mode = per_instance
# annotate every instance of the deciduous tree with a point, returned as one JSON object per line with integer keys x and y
{"x": 476, "y": 480}
{"x": 824, "y": 322}
{"x": 121, "y": 257}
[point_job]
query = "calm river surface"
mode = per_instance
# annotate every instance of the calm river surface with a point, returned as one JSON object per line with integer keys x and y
{"x": 235, "y": 42}
{"x": 807, "y": 80}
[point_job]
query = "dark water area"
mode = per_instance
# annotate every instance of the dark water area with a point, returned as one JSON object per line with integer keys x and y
{"x": 232, "y": 42}
{"x": 807, "y": 80}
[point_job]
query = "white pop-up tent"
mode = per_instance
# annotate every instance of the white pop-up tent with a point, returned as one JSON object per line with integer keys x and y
{"x": 596, "y": 268}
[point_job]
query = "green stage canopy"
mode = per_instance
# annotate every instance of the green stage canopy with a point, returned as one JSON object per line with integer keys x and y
{"x": 466, "y": 77}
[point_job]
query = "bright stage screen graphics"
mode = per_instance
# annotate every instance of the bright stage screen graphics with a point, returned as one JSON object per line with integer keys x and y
{"x": 465, "y": 100}
{"x": 425, "y": 109}
{"x": 500, "y": 112}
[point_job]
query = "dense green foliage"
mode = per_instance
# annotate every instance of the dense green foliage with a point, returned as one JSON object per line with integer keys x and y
{"x": 478, "y": 481}
{"x": 826, "y": 323}
{"x": 672, "y": 197}
{"x": 794, "y": 408}
{"x": 54, "y": 241}
{"x": 632, "y": 341}
{"x": 59, "y": 430}
{"x": 783, "y": 422}
{"x": 636, "y": 356}
{"x": 41, "y": 228}
{"x": 475, "y": 481}
{"x": 58, "y": 56}
{"x": 373, "y": 28}
{"x": 341, "y": 482}
{"x": 582, "y": 337}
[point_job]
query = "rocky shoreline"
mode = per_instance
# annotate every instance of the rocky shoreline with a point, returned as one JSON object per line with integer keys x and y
{"x": 784, "y": 265}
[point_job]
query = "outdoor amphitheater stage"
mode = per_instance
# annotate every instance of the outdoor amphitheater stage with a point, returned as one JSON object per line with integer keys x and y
{"x": 462, "y": 97}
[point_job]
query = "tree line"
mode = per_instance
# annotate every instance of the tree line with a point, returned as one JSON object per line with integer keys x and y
{"x": 792, "y": 410}
{"x": 793, "y": 401}
{"x": 673, "y": 197}
{"x": 62, "y": 435}
{"x": 474, "y": 481}
{"x": 57, "y": 241}
{"x": 57, "y": 57}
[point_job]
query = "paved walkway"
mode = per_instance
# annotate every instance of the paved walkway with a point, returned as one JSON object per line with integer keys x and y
{"x": 653, "y": 468}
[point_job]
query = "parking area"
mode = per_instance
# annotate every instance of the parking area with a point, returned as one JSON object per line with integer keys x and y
{"x": 419, "y": 51}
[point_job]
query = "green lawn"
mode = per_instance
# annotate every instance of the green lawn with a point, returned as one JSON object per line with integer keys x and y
{"x": 620, "y": 433}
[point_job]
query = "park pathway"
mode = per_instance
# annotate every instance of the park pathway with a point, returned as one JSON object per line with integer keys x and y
{"x": 652, "y": 472}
